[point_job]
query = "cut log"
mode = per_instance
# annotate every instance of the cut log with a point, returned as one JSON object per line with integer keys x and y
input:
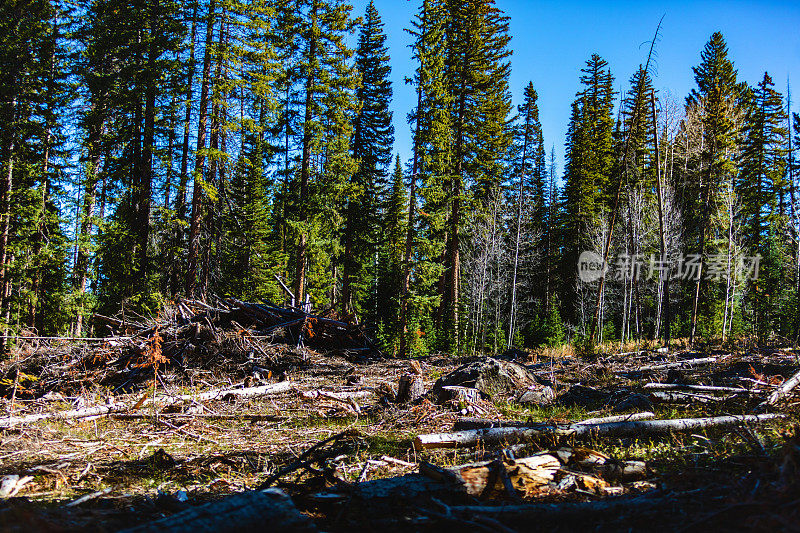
{"x": 677, "y": 364}
{"x": 636, "y": 428}
{"x": 248, "y": 511}
{"x": 484, "y": 423}
{"x": 697, "y": 388}
{"x": 410, "y": 388}
{"x": 459, "y": 394}
{"x": 161, "y": 401}
{"x": 784, "y": 389}
{"x": 618, "y": 418}
{"x": 486, "y": 478}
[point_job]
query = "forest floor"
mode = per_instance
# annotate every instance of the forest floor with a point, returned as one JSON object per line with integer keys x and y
{"x": 157, "y": 447}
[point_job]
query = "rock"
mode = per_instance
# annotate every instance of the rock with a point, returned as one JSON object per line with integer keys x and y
{"x": 586, "y": 397}
{"x": 513, "y": 354}
{"x": 541, "y": 395}
{"x": 488, "y": 375}
{"x": 633, "y": 401}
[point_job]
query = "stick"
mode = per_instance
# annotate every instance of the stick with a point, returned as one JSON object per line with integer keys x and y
{"x": 298, "y": 463}
{"x": 579, "y": 431}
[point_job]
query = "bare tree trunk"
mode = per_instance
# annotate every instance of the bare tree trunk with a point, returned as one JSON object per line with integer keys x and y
{"x": 512, "y": 312}
{"x": 662, "y": 241}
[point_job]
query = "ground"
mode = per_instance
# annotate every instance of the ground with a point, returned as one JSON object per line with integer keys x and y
{"x": 148, "y": 461}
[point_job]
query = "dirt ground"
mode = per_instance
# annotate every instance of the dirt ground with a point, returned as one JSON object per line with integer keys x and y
{"x": 143, "y": 460}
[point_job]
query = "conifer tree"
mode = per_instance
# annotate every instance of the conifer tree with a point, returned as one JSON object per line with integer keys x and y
{"x": 762, "y": 189}
{"x": 328, "y": 87}
{"x": 717, "y": 99}
{"x": 390, "y": 262}
{"x": 477, "y": 75}
{"x": 587, "y": 193}
{"x": 373, "y": 137}
{"x": 529, "y": 209}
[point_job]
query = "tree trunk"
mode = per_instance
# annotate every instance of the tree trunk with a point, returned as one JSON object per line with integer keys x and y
{"x": 412, "y": 205}
{"x": 662, "y": 241}
{"x": 197, "y": 191}
{"x": 300, "y": 259}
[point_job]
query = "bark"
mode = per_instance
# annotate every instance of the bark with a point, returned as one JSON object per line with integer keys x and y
{"x": 197, "y": 191}
{"x": 637, "y": 428}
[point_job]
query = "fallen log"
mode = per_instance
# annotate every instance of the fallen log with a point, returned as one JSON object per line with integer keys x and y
{"x": 11, "y": 421}
{"x": 636, "y": 428}
{"x": 246, "y": 511}
{"x": 483, "y": 423}
{"x": 667, "y": 366}
{"x": 783, "y": 390}
{"x": 161, "y": 401}
{"x": 686, "y": 397}
{"x": 698, "y": 388}
{"x": 618, "y": 418}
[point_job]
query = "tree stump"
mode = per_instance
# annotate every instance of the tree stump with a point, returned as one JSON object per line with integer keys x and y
{"x": 410, "y": 388}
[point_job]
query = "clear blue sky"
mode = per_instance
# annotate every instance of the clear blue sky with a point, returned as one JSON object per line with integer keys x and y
{"x": 552, "y": 40}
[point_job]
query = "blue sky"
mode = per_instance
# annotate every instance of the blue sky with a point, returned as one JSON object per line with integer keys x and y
{"x": 552, "y": 40}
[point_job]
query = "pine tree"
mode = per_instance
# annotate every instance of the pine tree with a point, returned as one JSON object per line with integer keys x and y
{"x": 390, "y": 262}
{"x": 431, "y": 163}
{"x": 529, "y": 208}
{"x": 373, "y": 137}
{"x": 329, "y": 84}
{"x": 763, "y": 191}
{"x": 717, "y": 99}
{"x": 35, "y": 95}
{"x": 587, "y": 194}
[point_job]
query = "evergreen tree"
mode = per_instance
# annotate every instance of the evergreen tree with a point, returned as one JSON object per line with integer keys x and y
{"x": 528, "y": 205}
{"x": 477, "y": 76}
{"x": 717, "y": 100}
{"x": 588, "y": 171}
{"x": 763, "y": 191}
{"x": 373, "y": 137}
{"x": 390, "y": 262}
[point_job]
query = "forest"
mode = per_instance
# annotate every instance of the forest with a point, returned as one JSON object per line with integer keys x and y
{"x": 224, "y": 148}
{"x": 232, "y": 298}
